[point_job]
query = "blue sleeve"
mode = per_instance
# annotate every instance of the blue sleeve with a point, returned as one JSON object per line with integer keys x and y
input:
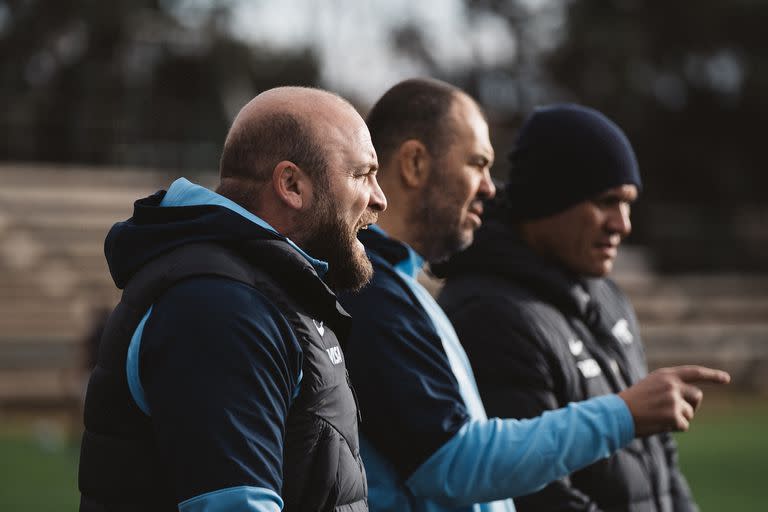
{"x": 519, "y": 376}
{"x": 245, "y": 498}
{"x": 495, "y": 459}
{"x": 409, "y": 397}
{"x": 219, "y": 365}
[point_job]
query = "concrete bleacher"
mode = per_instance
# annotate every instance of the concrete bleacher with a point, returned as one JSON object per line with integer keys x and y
{"x": 53, "y": 277}
{"x": 717, "y": 320}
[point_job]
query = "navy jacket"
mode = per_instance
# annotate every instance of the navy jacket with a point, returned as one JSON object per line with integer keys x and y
{"x": 540, "y": 338}
{"x": 226, "y": 372}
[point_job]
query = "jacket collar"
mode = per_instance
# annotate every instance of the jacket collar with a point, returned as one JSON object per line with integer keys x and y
{"x": 183, "y": 192}
{"x": 398, "y": 254}
{"x": 296, "y": 275}
{"x": 499, "y": 251}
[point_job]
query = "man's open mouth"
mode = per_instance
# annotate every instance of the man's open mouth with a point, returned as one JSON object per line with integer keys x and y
{"x": 367, "y": 222}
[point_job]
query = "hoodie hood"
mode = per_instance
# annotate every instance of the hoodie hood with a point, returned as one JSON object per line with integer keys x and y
{"x": 186, "y": 213}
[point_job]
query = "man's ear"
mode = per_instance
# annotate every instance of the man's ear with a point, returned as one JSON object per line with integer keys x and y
{"x": 292, "y": 185}
{"x": 415, "y": 163}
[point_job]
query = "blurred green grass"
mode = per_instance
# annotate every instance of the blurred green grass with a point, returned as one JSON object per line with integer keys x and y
{"x": 724, "y": 456}
{"x": 38, "y": 468}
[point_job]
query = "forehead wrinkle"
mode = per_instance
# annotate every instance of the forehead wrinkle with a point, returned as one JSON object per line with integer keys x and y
{"x": 347, "y": 142}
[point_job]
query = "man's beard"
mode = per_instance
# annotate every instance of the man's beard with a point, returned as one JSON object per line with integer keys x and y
{"x": 438, "y": 219}
{"x": 330, "y": 239}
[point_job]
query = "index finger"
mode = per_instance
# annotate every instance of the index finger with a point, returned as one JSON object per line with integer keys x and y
{"x": 694, "y": 373}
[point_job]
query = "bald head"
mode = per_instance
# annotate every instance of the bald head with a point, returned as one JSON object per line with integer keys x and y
{"x": 302, "y": 160}
{"x": 281, "y": 124}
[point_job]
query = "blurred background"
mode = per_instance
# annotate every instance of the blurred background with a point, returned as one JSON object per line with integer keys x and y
{"x": 108, "y": 101}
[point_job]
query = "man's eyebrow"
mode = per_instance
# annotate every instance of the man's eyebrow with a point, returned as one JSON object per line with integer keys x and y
{"x": 616, "y": 196}
{"x": 366, "y": 167}
{"x": 480, "y": 158}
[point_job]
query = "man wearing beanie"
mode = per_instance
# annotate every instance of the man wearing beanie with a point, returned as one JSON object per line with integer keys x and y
{"x": 542, "y": 324}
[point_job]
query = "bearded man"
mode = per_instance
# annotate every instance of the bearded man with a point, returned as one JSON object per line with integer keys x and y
{"x": 220, "y": 382}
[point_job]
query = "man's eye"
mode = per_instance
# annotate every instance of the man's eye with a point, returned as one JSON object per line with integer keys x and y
{"x": 606, "y": 202}
{"x": 365, "y": 174}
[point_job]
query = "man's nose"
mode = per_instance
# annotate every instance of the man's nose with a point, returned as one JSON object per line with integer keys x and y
{"x": 619, "y": 222}
{"x": 377, "y": 201}
{"x": 487, "y": 188}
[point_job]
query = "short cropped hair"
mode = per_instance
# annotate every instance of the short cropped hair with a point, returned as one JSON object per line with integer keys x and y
{"x": 412, "y": 109}
{"x": 255, "y": 148}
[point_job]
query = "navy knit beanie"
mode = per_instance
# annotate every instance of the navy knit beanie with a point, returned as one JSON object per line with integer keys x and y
{"x": 565, "y": 154}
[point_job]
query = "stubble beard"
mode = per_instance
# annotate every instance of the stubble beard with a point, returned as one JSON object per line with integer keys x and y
{"x": 330, "y": 239}
{"x": 439, "y": 226}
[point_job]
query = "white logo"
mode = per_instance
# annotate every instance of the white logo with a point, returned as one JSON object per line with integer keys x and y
{"x": 622, "y": 333}
{"x": 589, "y": 368}
{"x": 576, "y": 346}
{"x": 335, "y": 354}
{"x": 319, "y": 326}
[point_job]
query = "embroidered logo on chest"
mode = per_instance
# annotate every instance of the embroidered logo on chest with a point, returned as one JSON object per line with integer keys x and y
{"x": 622, "y": 333}
{"x": 335, "y": 354}
{"x": 319, "y": 327}
{"x": 576, "y": 347}
{"x": 589, "y": 368}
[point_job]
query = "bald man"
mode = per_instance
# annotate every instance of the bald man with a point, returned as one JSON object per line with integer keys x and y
{"x": 220, "y": 383}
